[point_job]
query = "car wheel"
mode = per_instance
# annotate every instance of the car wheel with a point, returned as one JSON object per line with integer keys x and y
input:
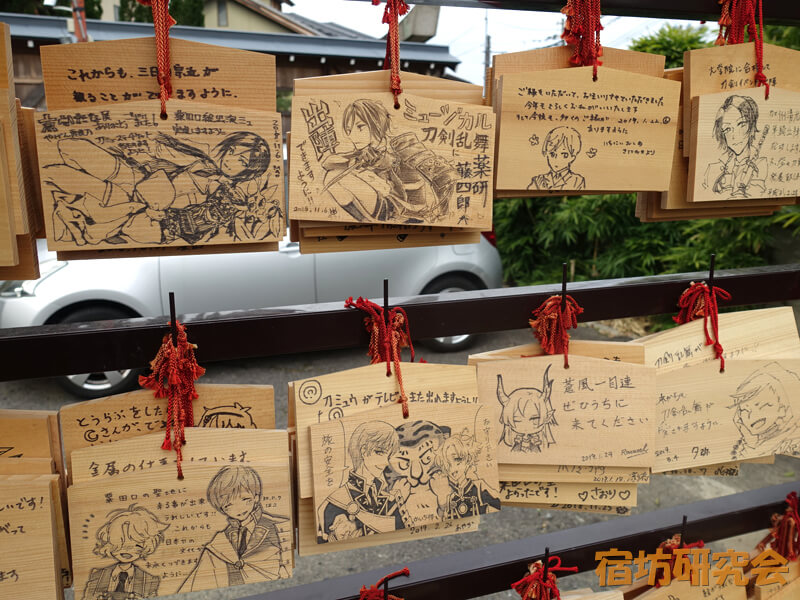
{"x": 106, "y": 383}
{"x": 444, "y": 285}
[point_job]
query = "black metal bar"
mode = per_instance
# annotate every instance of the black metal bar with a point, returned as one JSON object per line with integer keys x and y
{"x": 563, "y": 286}
{"x": 107, "y": 345}
{"x": 711, "y": 273}
{"x": 780, "y": 12}
{"x": 491, "y": 569}
{"x": 173, "y": 318}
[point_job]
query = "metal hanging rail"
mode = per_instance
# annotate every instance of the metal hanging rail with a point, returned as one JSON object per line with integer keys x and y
{"x": 105, "y": 345}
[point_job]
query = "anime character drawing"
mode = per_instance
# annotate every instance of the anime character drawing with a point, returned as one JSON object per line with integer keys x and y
{"x": 248, "y": 549}
{"x": 740, "y": 171}
{"x": 764, "y": 413}
{"x": 419, "y": 482}
{"x": 468, "y": 495}
{"x": 380, "y": 177}
{"x": 527, "y": 416}
{"x": 365, "y": 504}
{"x": 561, "y": 147}
{"x": 179, "y": 191}
{"x": 128, "y": 536}
{"x": 233, "y": 416}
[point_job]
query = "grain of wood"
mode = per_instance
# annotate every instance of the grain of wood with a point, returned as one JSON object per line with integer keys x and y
{"x": 547, "y": 411}
{"x": 684, "y": 590}
{"x": 25, "y": 434}
{"x": 762, "y": 592}
{"x": 573, "y": 474}
{"x": 319, "y": 228}
{"x": 9, "y": 256}
{"x": 27, "y": 266}
{"x": 587, "y": 508}
{"x": 318, "y": 244}
{"x": 169, "y": 251}
{"x": 138, "y": 413}
{"x": 601, "y": 150}
{"x": 195, "y": 67}
{"x": 616, "y": 351}
{"x": 33, "y": 185}
{"x": 537, "y": 492}
{"x": 329, "y": 397}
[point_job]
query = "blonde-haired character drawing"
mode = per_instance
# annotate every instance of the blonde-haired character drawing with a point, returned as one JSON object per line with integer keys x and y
{"x": 128, "y": 535}
{"x": 466, "y": 494}
{"x": 527, "y": 416}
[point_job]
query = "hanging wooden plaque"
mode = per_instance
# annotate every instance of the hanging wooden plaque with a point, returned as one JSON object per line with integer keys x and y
{"x": 574, "y": 474}
{"x": 616, "y": 351}
{"x": 587, "y": 508}
{"x": 101, "y": 73}
{"x": 536, "y": 492}
{"x": 356, "y": 159}
{"x": 762, "y": 333}
{"x": 205, "y": 447}
{"x": 684, "y": 590}
{"x": 27, "y": 266}
{"x": 218, "y": 527}
{"x": 376, "y": 472}
{"x": 745, "y": 147}
{"x": 705, "y": 416}
{"x": 559, "y": 131}
{"x": 121, "y": 177}
{"x": 331, "y": 397}
{"x": 346, "y": 243}
{"x": 133, "y": 414}
{"x": 548, "y": 412}
{"x": 30, "y": 567}
{"x": 731, "y": 68}
{"x": 30, "y": 159}
{"x": 8, "y": 120}
{"x": 24, "y": 434}
{"x": 9, "y": 256}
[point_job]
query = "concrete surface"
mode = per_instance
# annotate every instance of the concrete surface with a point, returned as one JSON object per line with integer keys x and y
{"x": 509, "y": 524}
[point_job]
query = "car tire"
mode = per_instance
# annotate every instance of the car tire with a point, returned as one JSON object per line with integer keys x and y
{"x": 108, "y": 383}
{"x": 444, "y": 285}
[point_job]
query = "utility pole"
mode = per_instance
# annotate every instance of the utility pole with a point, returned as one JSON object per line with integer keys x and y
{"x": 79, "y": 15}
{"x": 487, "y": 48}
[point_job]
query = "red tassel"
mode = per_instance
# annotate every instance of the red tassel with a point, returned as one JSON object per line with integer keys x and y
{"x": 374, "y": 592}
{"x": 550, "y": 325}
{"x": 173, "y": 373}
{"x": 534, "y": 586}
{"x": 669, "y": 546}
{"x": 698, "y": 301}
{"x": 784, "y": 537}
{"x": 386, "y": 342}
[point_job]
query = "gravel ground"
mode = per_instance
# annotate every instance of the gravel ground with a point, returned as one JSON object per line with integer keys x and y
{"x": 509, "y": 524}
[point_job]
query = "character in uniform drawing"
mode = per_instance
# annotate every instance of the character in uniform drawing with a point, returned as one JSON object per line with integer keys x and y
{"x": 468, "y": 495}
{"x": 129, "y": 535}
{"x": 561, "y": 147}
{"x": 741, "y": 171}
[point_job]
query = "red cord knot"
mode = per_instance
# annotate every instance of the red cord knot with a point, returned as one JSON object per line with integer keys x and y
{"x": 391, "y": 13}
{"x": 668, "y": 547}
{"x": 388, "y": 335}
{"x": 162, "y": 21}
{"x": 582, "y": 29}
{"x": 173, "y": 373}
{"x": 374, "y": 592}
{"x": 784, "y": 536}
{"x": 534, "y": 586}
{"x": 697, "y": 301}
{"x": 550, "y": 324}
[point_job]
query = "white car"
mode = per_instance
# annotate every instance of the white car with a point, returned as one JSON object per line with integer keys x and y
{"x": 89, "y": 290}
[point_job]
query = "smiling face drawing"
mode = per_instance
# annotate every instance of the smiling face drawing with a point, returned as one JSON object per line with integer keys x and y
{"x": 240, "y": 505}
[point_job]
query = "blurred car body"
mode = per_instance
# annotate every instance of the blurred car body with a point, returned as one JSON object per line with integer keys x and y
{"x": 86, "y": 290}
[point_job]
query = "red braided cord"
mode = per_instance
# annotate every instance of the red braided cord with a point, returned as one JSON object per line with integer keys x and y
{"x": 162, "y": 21}
{"x": 391, "y": 13}
{"x": 698, "y": 301}
{"x": 173, "y": 373}
{"x": 375, "y": 593}
{"x": 582, "y": 31}
{"x": 736, "y": 16}
{"x": 784, "y": 536}
{"x": 669, "y": 546}
{"x": 534, "y": 587}
{"x": 386, "y": 342}
{"x": 550, "y": 324}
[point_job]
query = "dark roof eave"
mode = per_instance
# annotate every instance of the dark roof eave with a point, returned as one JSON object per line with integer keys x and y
{"x": 55, "y": 28}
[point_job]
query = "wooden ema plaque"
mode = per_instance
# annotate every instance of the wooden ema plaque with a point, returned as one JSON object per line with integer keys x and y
{"x": 102, "y": 73}
{"x": 586, "y": 508}
{"x": 121, "y": 177}
{"x": 560, "y": 131}
{"x": 763, "y": 333}
{"x": 27, "y": 266}
{"x": 684, "y": 590}
{"x": 8, "y": 244}
{"x": 745, "y": 147}
{"x": 30, "y": 566}
{"x": 706, "y": 417}
{"x": 521, "y": 493}
{"x": 733, "y": 67}
{"x": 356, "y": 159}
{"x": 574, "y": 474}
{"x": 26, "y": 134}
{"x": 617, "y": 351}
{"x": 337, "y": 395}
{"x": 546, "y": 411}
{"x": 218, "y": 527}
{"x": 376, "y": 472}
{"x": 138, "y": 413}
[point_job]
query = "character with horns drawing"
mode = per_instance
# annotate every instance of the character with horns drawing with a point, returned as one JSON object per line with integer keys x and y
{"x": 527, "y": 416}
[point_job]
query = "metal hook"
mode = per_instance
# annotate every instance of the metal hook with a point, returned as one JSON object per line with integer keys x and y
{"x": 683, "y": 529}
{"x": 711, "y": 274}
{"x": 546, "y": 557}
{"x": 386, "y": 301}
{"x": 563, "y": 286}
{"x": 173, "y": 319}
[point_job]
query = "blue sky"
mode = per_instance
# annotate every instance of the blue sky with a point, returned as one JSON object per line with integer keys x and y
{"x": 463, "y": 29}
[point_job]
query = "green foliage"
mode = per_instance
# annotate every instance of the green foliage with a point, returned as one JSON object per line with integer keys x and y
{"x": 185, "y": 12}
{"x": 783, "y": 35}
{"x": 94, "y": 9}
{"x": 35, "y": 7}
{"x": 285, "y": 101}
{"x": 672, "y": 42}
